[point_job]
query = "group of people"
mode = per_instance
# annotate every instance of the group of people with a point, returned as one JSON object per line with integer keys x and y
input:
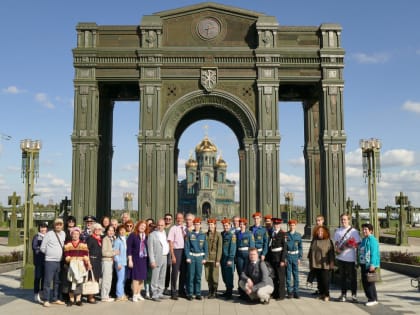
{"x": 164, "y": 259}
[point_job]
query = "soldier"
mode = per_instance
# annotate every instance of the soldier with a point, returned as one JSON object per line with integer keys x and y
{"x": 211, "y": 268}
{"x": 277, "y": 258}
{"x": 228, "y": 257}
{"x": 196, "y": 253}
{"x": 244, "y": 240}
{"x": 294, "y": 256}
{"x": 268, "y": 222}
{"x": 260, "y": 235}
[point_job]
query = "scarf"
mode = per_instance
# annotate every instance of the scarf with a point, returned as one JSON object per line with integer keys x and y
{"x": 98, "y": 238}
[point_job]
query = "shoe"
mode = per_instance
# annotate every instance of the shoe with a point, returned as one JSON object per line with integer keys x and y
{"x": 70, "y": 303}
{"x": 174, "y": 297}
{"x": 108, "y": 300}
{"x": 199, "y": 297}
{"x": 189, "y": 298}
{"x": 296, "y": 295}
{"x": 147, "y": 296}
{"x": 167, "y": 292}
{"x": 326, "y": 298}
{"x": 163, "y": 297}
{"x": 79, "y": 303}
{"x": 121, "y": 299}
{"x": 46, "y": 304}
{"x": 371, "y": 303}
{"x": 93, "y": 301}
{"x": 266, "y": 302}
{"x": 354, "y": 298}
{"x": 289, "y": 295}
{"x": 342, "y": 298}
{"x": 156, "y": 299}
{"x": 211, "y": 296}
{"x": 58, "y": 302}
{"x": 135, "y": 298}
{"x": 37, "y": 298}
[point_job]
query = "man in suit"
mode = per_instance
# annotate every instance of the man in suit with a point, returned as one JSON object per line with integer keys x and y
{"x": 158, "y": 250}
{"x": 255, "y": 280}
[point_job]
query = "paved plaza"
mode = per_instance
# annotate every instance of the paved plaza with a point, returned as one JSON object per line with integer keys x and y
{"x": 396, "y": 296}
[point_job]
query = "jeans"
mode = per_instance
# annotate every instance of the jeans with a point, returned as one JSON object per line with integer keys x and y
{"x": 120, "y": 281}
{"x": 52, "y": 274}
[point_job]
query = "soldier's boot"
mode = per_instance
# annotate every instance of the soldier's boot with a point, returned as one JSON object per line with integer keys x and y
{"x": 211, "y": 294}
{"x": 228, "y": 294}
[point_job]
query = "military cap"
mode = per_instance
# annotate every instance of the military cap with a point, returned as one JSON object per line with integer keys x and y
{"x": 268, "y": 217}
{"x": 243, "y": 220}
{"x": 292, "y": 221}
{"x": 277, "y": 220}
{"x": 257, "y": 214}
{"x": 225, "y": 221}
{"x": 89, "y": 218}
{"x": 197, "y": 220}
{"x": 211, "y": 220}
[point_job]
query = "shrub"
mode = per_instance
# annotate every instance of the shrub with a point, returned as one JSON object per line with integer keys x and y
{"x": 400, "y": 257}
{"x": 13, "y": 256}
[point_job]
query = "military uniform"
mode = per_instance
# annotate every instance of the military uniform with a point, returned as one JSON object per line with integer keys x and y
{"x": 243, "y": 242}
{"x": 275, "y": 256}
{"x": 261, "y": 239}
{"x": 228, "y": 255}
{"x": 294, "y": 254}
{"x": 196, "y": 250}
{"x": 214, "y": 242}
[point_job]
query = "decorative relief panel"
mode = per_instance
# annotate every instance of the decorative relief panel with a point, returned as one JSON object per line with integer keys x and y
{"x": 208, "y": 78}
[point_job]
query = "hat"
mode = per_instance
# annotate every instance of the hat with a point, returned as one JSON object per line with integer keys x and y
{"x": 225, "y": 221}
{"x": 75, "y": 229}
{"x": 71, "y": 218}
{"x": 243, "y": 220}
{"x": 257, "y": 214}
{"x": 197, "y": 220}
{"x": 89, "y": 218}
{"x": 268, "y": 217}
{"x": 292, "y": 222}
{"x": 211, "y": 220}
{"x": 277, "y": 220}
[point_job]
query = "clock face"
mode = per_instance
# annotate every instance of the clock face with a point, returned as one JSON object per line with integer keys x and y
{"x": 208, "y": 28}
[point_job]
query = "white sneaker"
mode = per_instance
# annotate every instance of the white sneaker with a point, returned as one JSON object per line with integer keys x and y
{"x": 46, "y": 304}
{"x": 342, "y": 298}
{"x": 37, "y": 298}
{"x": 354, "y": 298}
{"x": 371, "y": 303}
{"x": 135, "y": 298}
{"x": 140, "y": 297}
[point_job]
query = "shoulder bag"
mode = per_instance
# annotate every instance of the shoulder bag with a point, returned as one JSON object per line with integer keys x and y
{"x": 90, "y": 287}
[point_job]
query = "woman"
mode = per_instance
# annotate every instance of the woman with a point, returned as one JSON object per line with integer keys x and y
{"x": 321, "y": 259}
{"x": 137, "y": 258}
{"x": 107, "y": 261}
{"x": 369, "y": 260}
{"x": 105, "y": 222}
{"x": 120, "y": 262}
{"x": 76, "y": 254}
{"x": 94, "y": 243}
{"x": 39, "y": 261}
{"x": 69, "y": 225}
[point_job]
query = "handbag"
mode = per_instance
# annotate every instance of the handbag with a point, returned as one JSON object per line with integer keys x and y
{"x": 372, "y": 277}
{"x": 90, "y": 287}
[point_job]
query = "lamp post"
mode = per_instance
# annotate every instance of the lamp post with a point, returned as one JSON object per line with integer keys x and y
{"x": 371, "y": 169}
{"x": 401, "y": 201}
{"x": 289, "y": 196}
{"x": 349, "y": 204}
{"x": 30, "y": 171}
{"x": 357, "y": 210}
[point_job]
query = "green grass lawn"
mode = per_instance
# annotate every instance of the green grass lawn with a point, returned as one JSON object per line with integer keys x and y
{"x": 413, "y": 233}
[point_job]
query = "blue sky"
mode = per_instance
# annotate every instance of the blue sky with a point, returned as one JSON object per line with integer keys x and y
{"x": 381, "y": 94}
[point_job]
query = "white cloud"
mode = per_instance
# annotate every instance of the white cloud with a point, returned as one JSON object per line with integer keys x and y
{"x": 130, "y": 167}
{"x": 13, "y": 90}
{"x": 398, "y": 157}
{"x": 299, "y": 162}
{"x": 354, "y": 158}
{"x": 412, "y": 106}
{"x": 372, "y": 58}
{"x": 43, "y": 99}
{"x": 354, "y": 172}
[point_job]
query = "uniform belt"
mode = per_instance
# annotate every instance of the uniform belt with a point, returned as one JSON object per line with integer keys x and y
{"x": 243, "y": 248}
{"x": 293, "y": 252}
{"x": 197, "y": 254}
{"x": 278, "y": 249}
{"x": 259, "y": 249}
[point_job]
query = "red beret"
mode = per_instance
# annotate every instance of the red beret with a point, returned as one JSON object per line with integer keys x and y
{"x": 211, "y": 220}
{"x": 292, "y": 222}
{"x": 197, "y": 220}
{"x": 225, "y": 221}
{"x": 277, "y": 220}
{"x": 257, "y": 214}
{"x": 243, "y": 220}
{"x": 268, "y": 216}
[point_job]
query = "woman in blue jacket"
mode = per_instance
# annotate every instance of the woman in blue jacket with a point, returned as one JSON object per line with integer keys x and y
{"x": 369, "y": 260}
{"x": 120, "y": 262}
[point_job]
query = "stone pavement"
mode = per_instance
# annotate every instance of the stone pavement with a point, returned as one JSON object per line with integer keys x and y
{"x": 396, "y": 296}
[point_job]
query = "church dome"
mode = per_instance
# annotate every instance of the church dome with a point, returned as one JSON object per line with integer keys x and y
{"x": 205, "y": 146}
{"x": 191, "y": 162}
{"x": 221, "y": 163}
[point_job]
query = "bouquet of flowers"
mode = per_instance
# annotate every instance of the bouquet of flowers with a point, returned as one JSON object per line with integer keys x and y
{"x": 348, "y": 243}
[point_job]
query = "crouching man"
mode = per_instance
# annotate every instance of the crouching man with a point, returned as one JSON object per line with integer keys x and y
{"x": 255, "y": 280}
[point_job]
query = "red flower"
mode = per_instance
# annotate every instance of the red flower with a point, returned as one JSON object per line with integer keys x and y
{"x": 351, "y": 243}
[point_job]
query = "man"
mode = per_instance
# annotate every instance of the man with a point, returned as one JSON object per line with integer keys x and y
{"x": 277, "y": 258}
{"x": 125, "y": 217}
{"x": 196, "y": 253}
{"x": 294, "y": 257}
{"x": 168, "y": 224}
{"x": 158, "y": 250}
{"x": 235, "y": 223}
{"x": 260, "y": 235}
{"x": 211, "y": 268}
{"x": 176, "y": 237}
{"x": 346, "y": 240}
{"x": 89, "y": 220}
{"x": 52, "y": 247}
{"x": 268, "y": 222}
{"x": 254, "y": 279}
{"x": 228, "y": 257}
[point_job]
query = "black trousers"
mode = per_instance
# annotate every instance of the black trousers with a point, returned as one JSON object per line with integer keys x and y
{"x": 347, "y": 272}
{"x": 323, "y": 278}
{"x": 178, "y": 272}
{"x": 368, "y": 287}
{"x": 279, "y": 280}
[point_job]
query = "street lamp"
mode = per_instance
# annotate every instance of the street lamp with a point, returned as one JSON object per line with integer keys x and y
{"x": 30, "y": 171}
{"x": 289, "y": 196}
{"x": 372, "y": 169}
{"x": 401, "y": 201}
{"x": 349, "y": 204}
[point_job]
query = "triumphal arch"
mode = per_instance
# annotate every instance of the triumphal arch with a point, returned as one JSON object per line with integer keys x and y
{"x": 209, "y": 61}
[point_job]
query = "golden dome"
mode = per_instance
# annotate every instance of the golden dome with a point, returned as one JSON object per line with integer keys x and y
{"x": 191, "y": 162}
{"x": 205, "y": 146}
{"x": 221, "y": 163}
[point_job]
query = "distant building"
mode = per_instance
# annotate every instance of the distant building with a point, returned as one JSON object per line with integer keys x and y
{"x": 206, "y": 191}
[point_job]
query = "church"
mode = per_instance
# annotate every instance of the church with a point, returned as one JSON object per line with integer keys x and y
{"x": 206, "y": 191}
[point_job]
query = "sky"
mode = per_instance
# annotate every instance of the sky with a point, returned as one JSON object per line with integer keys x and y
{"x": 381, "y": 94}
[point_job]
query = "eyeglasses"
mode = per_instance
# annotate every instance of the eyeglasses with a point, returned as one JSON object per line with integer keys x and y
{"x": 129, "y": 225}
{"x": 59, "y": 223}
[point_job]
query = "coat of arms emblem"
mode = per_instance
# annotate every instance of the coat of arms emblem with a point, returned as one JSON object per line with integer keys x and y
{"x": 209, "y": 78}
